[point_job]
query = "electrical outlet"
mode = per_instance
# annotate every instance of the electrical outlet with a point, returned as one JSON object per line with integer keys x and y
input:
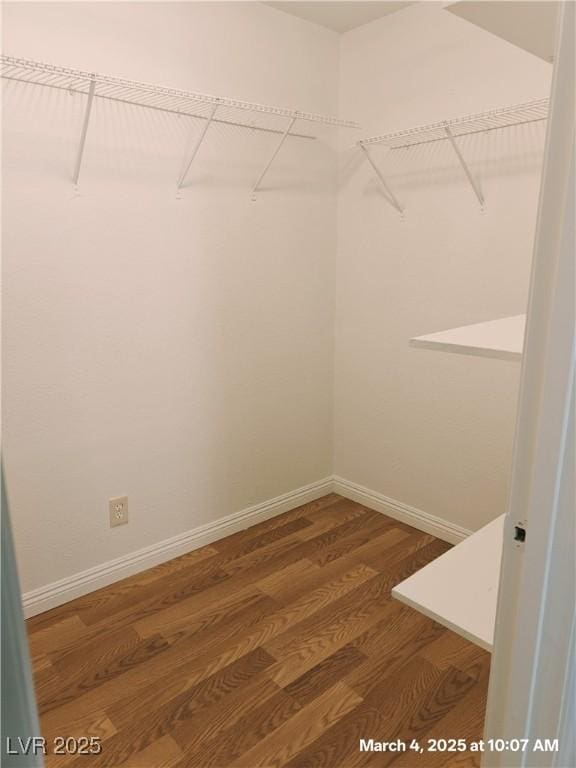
{"x": 118, "y": 509}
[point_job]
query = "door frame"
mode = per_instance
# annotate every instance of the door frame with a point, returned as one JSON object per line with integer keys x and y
{"x": 533, "y": 665}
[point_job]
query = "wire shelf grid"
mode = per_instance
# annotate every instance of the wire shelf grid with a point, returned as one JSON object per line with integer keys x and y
{"x": 504, "y": 117}
{"x": 233, "y": 112}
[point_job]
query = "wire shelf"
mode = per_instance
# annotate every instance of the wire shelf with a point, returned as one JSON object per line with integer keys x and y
{"x": 450, "y": 130}
{"x": 504, "y": 117}
{"x": 243, "y": 114}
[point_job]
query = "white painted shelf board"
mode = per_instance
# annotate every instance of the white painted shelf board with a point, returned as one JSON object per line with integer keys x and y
{"x": 502, "y": 339}
{"x": 460, "y": 588}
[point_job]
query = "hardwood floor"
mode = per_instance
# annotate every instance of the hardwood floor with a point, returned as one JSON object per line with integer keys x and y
{"x": 277, "y": 646}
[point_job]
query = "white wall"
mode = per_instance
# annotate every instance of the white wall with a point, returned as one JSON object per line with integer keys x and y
{"x": 431, "y": 430}
{"x": 181, "y": 351}
{"x": 178, "y": 351}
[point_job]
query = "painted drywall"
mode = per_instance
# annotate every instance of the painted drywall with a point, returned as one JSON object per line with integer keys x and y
{"x": 177, "y": 351}
{"x": 429, "y": 429}
{"x": 181, "y": 351}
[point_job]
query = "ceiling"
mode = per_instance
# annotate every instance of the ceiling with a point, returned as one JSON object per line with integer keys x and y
{"x": 529, "y": 24}
{"x": 339, "y": 16}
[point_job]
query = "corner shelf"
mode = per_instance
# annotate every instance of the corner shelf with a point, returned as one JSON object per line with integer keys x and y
{"x": 460, "y": 588}
{"x": 502, "y": 339}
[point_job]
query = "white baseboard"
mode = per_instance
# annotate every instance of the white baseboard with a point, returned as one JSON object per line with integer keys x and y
{"x": 59, "y": 592}
{"x": 423, "y": 521}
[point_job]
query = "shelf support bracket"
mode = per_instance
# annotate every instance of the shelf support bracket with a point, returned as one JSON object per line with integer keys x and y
{"x": 84, "y": 132}
{"x": 199, "y": 141}
{"x": 388, "y": 194}
{"x": 283, "y": 138}
{"x": 473, "y": 182}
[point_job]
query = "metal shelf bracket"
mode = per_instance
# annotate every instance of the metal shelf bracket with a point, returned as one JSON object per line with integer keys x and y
{"x": 283, "y": 138}
{"x": 84, "y": 131}
{"x": 389, "y": 196}
{"x": 465, "y": 168}
{"x": 199, "y": 141}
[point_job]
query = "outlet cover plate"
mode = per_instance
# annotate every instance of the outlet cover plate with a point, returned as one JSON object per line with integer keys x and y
{"x": 118, "y": 509}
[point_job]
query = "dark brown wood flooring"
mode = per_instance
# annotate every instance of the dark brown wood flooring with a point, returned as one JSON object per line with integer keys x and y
{"x": 277, "y": 646}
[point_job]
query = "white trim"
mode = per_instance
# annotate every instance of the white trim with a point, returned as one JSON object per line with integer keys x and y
{"x": 536, "y": 602}
{"x": 59, "y": 592}
{"x": 44, "y": 598}
{"x": 423, "y": 521}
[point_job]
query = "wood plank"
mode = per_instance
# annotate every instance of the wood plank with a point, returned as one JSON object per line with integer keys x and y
{"x": 365, "y": 530}
{"x": 293, "y": 736}
{"x": 279, "y": 584}
{"x": 336, "y": 514}
{"x": 381, "y": 712}
{"x": 401, "y": 548}
{"x": 452, "y": 650}
{"x": 396, "y": 650}
{"x": 96, "y": 725}
{"x": 309, "y": 511}
{"x": 315, "y": 681}
{"x": 238, "y": 548}
{"x": 78, "y": 683}
{"x": 40, "y": 664}
{"x": 310, "y": 578}
{"x": 200, "y": 612}
{"x": 212, "y": 721}
{"x": 314, "y": 639}
{"x": 163, "y": 753}
{"x": 255, "y": 726}
{"x": 50, "y": 637}
{"x": 156, "y": 595}
{"x": 397, "y": 621}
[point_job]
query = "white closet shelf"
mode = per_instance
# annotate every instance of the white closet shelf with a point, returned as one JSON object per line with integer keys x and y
{"x": 478, "y": 122}
{"x": 450, "y": 130}
{"x": 502, "y": 339}
{"x": 207, "y": 108}
{"x": 460, "y": 588}
{"x": 186, "y": 103}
